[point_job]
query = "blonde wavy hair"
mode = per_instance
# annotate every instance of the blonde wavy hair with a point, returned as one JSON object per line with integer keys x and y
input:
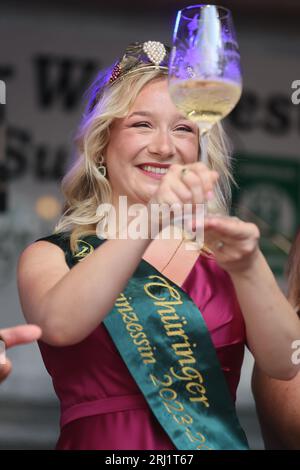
{"x": 84, "y": 187}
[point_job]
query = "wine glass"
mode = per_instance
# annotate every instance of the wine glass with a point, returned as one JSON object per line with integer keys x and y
{"x": 205, "y": 80}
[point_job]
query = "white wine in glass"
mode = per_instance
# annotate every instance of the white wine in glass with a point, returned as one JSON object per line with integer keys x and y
{"x": 205, "y": 80}
{"x": 205, "y": 101}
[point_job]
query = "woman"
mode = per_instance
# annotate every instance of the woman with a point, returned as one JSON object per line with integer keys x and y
{"x": 277, "y": 401}
{"x": 133, "y": 361}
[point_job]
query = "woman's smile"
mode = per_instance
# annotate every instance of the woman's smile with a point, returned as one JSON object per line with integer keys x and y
{"x": 153, "y": 170}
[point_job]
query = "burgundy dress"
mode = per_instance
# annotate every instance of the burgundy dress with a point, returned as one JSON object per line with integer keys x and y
{"x": 101, "y": 405}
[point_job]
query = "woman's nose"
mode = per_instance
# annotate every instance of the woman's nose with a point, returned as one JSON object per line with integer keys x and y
{"x": 162, "y": 144}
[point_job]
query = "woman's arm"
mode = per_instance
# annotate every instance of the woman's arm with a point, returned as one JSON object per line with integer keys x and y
{"x": 69, "y": 304}
{"x": 271, "y": 323}
{"x": 278, "y": 408}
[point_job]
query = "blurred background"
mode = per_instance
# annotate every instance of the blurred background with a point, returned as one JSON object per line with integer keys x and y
{"x": 49, "y": 54}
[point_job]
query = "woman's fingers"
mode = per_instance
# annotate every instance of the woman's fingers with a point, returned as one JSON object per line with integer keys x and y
{"x": 194, "y": 186}
{"x": 234, "y": 242}
{"x": 198, "y": 180}
{"x": 208, "y": 177}
{"x": 168, "y": 196}
{"x": 183, "y": 192}
{"x": 231, "y": 227}
{"x": 231, "y": 239}
{"x": 5, "y": 370}
{"x": 21, "y": 334}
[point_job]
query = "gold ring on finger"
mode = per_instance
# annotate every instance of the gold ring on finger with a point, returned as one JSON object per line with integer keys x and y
{"x": 183, "y": 172}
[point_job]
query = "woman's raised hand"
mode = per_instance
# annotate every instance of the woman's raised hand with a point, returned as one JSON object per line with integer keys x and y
{"x": 182, "y": 187}
{"x": 182, "y": 184}
{"x": 234, "y": 242}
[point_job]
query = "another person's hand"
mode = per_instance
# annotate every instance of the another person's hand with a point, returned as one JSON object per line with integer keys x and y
{"x": 14, "y": 336}
{"x": 234, "y": 242}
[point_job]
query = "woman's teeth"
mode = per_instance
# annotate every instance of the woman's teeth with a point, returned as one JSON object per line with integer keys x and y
{"x": 153, "y": 169}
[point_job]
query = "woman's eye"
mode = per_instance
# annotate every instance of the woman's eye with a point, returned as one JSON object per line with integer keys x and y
{"x": 141, "y": 124}
{"x": 184, "y": 128}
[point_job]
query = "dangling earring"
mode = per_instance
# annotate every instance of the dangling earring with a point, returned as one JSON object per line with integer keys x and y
{"x": 102, "y": 168}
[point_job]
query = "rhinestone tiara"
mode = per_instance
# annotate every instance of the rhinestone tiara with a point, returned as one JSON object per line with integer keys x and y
{"x": 138, "y": 58}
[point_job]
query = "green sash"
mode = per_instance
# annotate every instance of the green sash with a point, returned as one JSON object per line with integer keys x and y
{"x": 164, "y": 341}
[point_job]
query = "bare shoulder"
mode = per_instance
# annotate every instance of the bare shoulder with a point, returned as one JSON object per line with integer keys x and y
{"x": 40, "y": 266}
{"x": 41, "y": 245}
{"x": 41, "y": 253}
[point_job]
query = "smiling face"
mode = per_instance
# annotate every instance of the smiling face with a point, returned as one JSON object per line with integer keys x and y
{"x": 146, "y": 142}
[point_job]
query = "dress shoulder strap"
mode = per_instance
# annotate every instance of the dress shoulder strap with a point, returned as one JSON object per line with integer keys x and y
{"x": 86, "y": 245}
{"x": 63, "y": 241}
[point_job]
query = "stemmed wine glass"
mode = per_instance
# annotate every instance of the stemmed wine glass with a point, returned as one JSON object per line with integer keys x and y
{"x": 205, "y": 80}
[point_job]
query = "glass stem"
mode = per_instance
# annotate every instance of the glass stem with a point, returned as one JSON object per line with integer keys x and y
{"x": 203, "y": 141}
